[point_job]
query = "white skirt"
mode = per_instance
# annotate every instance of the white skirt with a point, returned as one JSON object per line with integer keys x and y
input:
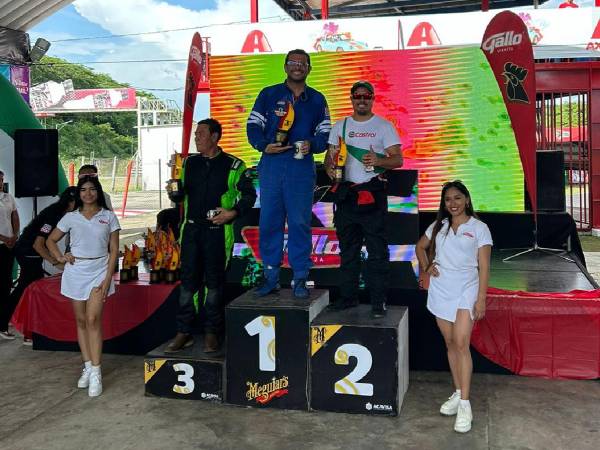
{"x": 452, "y": 290}
{"x": 80, "y": 278}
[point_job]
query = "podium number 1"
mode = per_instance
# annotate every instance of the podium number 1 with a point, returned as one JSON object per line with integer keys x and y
{"x": 350, "y": 384}
{"x": 264, "y": 326}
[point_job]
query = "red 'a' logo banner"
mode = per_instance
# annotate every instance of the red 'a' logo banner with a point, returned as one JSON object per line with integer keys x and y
{"x": 325, "y": 247}
{"x": 508, "y": 50}
{"x": 192, "y": 78}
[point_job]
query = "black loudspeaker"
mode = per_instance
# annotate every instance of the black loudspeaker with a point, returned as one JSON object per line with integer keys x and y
{"x": 551, "y": 180}
{"x": 36, "y": 163}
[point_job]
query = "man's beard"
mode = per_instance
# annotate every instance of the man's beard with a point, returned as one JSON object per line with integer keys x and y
{"x": 363, "y": 112}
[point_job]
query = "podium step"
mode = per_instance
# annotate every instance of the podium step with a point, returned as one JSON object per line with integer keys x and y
{"x": 190, "y": 374}
{"x": 268, "y": 348}
{"x": 359, "y": 364}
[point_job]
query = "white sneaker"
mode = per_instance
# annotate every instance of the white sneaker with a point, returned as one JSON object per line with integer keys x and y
{"x": 84, "y": 379}
{"x": 450, "y": 406}
{"x": 7, "y": 335}
{"x": 464, "y": 417}
{"x": 95, "y": 388}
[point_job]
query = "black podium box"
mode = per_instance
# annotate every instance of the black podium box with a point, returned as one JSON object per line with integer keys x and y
{"x": 268, "y": 349}
{"x": 190, "y": 374}
{"x": 359, "y": 364}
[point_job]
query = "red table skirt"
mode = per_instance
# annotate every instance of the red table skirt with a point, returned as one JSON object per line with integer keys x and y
{"x": 43, "y": 310}
{"x": 542, "y": 334}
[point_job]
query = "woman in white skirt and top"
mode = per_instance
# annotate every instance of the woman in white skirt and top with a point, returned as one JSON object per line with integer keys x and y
{"x": 455, "y": 253}
{"x": 88, "y": 276}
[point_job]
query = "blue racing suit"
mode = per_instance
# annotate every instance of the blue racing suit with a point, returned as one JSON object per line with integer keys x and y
{"x": 287, "y": 184}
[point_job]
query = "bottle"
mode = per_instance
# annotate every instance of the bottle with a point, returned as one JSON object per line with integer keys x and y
{"x": 340, "y": 161}
{"x": 286, "y": 120}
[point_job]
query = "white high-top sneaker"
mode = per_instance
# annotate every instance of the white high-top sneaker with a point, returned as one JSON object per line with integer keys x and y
{"x": 450, "y": 406}
{"x": 84, "y": 379}
{"x": 95, "y": 387}
{"x": 464, "y": 417}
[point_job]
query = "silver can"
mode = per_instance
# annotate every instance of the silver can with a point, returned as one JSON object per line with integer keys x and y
{"x": 211, "y": 214}
{"x": 298, "y": 150}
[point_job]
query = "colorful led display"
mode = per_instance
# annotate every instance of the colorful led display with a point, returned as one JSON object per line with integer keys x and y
{"x": 444, "y": 102}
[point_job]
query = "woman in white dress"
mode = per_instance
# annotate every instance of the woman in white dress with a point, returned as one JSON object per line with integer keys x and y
{"x": 455, "y": 252}
{"x": 88, "y": 276}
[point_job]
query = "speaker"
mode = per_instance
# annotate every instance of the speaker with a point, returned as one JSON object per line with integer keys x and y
{"x": 551, "y": 180}
{"x": 36, "y": 163}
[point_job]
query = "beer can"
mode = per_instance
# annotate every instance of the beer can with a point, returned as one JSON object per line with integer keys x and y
{"x": 298, "y": 150}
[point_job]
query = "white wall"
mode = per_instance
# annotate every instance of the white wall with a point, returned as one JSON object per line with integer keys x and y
{"x": 158, "y": 142}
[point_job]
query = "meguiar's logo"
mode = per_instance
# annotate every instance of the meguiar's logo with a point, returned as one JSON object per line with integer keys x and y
{"x": 264, "y": 393}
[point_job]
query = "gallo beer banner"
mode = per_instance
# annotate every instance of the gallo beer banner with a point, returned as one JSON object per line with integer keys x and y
{"x": 193, "y": 73}
{"x": 508, "y": 49}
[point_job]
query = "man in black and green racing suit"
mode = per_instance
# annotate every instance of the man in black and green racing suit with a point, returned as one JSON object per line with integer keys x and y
{"x": 216, "y": 188}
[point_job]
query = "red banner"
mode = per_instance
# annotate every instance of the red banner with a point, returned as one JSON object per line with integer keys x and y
{"x": 193, "y": 74}
{"x": 508, "y": 49}
{"x": 325, "y": 247}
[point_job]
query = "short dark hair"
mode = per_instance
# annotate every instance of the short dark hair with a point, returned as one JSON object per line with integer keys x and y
{"x": 213, "y": 126}
{"x": 91, "y": 167}
{"x": 297, "y": 51}
{"x": 94, "y": 180}
{"x": 1, "y": 173}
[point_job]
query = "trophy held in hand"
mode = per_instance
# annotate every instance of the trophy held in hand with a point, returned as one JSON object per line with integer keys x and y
{"x": 174, "y": 187}
{"x": 286, "y": 120}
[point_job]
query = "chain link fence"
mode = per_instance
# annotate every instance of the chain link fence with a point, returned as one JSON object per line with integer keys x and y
{"x": 142, "y": 204}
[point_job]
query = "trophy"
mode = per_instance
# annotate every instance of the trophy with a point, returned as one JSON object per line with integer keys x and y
{"x": 174, "y": 184}
{"x": 285, "y": 123}
{"x": 125, "y": 272}
{"x": 340, "y": 161}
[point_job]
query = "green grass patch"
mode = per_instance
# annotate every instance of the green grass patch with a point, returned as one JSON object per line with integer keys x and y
{"x": 590, "y": 243}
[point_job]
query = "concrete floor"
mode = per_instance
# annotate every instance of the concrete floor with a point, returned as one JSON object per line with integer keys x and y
{"x": 42, "y": 409}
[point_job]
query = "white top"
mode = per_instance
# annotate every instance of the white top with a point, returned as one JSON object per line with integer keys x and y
{"x": 459, "y": 251}
{"x": 7, "y": 206}
{"x": 376, "y": 132}
{"x": 89, "y": 238}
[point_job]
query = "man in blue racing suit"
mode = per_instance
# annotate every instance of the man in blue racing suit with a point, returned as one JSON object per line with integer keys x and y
{"x": 287, "y": 183}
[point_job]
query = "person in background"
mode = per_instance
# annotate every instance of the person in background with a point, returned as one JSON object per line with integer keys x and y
{"x": 287, "y": 179}
{"x": 361, "y": 205}
{"x": 9, "y": 230}
{"x": 90, "y": 170}
{"x": 30, "y": 249}
{"x": 455, "y": 251}
{"x": 88, "y": 276}
{"x": 568, "y": 4}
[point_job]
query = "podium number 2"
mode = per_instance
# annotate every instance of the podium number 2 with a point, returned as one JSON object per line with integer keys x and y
{"x": 264, "y": 326}
{"x": 350, "y": 383}
{"x": 185, "y": 378}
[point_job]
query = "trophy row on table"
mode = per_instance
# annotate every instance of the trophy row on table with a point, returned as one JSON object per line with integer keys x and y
{"x": 161, "y": 256}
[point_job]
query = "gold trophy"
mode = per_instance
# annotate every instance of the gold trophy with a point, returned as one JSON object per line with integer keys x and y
{"x": 340, "y": 161}
{"x": 174, "y": 184}
{"x": 285, "y": 123}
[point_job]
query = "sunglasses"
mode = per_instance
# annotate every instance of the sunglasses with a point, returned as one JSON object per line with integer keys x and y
{"x": 362, "y": 96}
{"x": 291, "y": 63}
{"x": 83, "y": 175}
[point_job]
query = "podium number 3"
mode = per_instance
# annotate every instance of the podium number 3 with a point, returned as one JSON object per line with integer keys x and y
{"x": 350, "y": 384}
{"x": 264, "y": 326}
{"x": 185, "y": 378}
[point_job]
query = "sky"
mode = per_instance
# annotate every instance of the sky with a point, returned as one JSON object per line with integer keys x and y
{"x": 82, "y": 33}
{"x": 76, "y": 33}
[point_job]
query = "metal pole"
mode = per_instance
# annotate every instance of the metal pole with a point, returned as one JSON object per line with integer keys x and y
{"x": 159, "y": 186}
{"x": 114, "y": 171}
{"x": 137, "y": 171}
